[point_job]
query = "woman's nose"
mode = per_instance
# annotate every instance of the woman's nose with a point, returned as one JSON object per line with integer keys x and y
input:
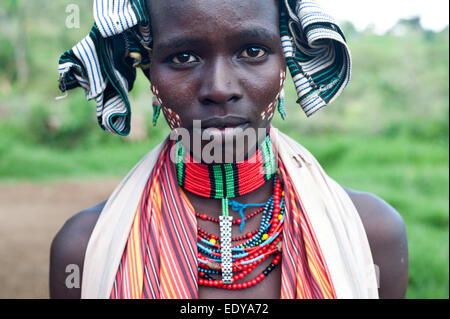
{"x": 220, "y": 84}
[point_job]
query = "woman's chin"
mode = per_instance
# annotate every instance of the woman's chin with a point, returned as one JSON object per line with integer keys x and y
{"x": 226, "y": 145}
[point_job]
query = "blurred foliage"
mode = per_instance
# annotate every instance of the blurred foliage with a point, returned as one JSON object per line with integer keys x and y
{"x": 387, "y": 134}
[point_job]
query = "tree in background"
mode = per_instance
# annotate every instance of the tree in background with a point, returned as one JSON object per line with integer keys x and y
{"x": 12, "y": 23}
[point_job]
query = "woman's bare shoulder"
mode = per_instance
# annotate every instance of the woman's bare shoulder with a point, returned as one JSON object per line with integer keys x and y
{"x": 386, "y": 234}
{"x": 67, "y": 253}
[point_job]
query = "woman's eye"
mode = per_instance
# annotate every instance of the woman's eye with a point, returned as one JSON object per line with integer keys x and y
{"x": 253, "y": 52}
{"x": 184, "y": 58}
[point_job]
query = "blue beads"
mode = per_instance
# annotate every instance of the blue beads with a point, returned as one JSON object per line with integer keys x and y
{"x": 208, "y": 271}
{"x": 211, "y": 250}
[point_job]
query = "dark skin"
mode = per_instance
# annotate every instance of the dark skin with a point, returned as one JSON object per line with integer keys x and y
{"x": 214, "y": 71}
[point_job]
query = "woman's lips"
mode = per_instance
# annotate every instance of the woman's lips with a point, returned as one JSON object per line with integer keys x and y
{"x": 229, "y": 127}
{"x": 228, "y": 121}
{"x": 220, "y": 130}
{"x": 225, "y": 132}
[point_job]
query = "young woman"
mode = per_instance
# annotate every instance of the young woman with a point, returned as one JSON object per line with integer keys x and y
{"x": 228, "y": 206}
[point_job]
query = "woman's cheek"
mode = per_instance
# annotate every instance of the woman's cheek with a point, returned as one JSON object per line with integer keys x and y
{"x": 271, "y": 93}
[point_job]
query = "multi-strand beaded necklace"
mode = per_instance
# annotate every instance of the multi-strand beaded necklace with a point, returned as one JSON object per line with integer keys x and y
{"x": 224, "y": 261}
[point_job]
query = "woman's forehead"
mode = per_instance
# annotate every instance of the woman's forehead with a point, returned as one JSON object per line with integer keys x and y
{"x": 197, "y": 16}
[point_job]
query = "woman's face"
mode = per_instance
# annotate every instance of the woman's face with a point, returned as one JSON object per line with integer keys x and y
{"x": 217, "y": 61}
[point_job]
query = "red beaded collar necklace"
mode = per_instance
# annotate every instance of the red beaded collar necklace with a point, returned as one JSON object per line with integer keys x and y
{"x": 225, "y": 180}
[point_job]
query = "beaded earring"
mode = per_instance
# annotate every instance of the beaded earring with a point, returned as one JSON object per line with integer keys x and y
{"x": 281, "y": 108}
{"x": 156, "y": 105}
{"x": 173, "y": 119}
{"x": 156, "y": 112}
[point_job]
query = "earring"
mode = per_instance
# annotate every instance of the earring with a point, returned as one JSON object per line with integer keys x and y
{"x": 281, "y": 108}
{"x": 156, "y": 104}
{"x": 156, "y": 112}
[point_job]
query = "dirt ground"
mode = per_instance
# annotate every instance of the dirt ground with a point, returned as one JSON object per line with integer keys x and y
{"x": 30, "y": 216}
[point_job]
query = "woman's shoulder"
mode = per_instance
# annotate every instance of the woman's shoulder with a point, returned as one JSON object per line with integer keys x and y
{"x": 67, "y": 253}
{"x": 375, "y": 212}
{"x": 386, "y": 233}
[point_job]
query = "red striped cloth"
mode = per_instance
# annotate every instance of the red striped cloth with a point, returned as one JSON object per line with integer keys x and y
{"x": 304, "y": 272}
{"x": 160, "y": 257}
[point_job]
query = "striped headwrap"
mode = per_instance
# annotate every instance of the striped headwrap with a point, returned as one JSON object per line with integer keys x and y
{"x": 104, "y": 63}
{"x": 160, "y": 257}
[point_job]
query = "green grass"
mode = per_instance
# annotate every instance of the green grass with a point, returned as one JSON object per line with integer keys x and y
{"x": 413, "y": 178}
{"x": 21, "y": 161}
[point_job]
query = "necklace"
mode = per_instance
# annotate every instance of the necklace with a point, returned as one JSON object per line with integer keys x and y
{"x": 216, "y": 254}
{"x": 225, "y": 180}
{"x": 248, "y": 251}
